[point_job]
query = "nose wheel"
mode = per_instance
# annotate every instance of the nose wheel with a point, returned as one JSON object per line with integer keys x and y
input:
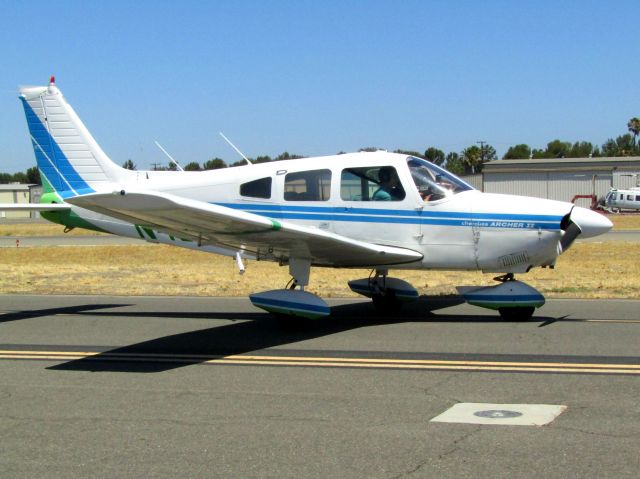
{"x": 519, "y": 313}
{"x": 514, "y": 313}
{"x": 513, "y": 299}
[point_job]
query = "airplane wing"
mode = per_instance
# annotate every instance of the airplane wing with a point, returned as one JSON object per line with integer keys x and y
{"x": 267, "y": 238}
{"x": 33, "y": 207}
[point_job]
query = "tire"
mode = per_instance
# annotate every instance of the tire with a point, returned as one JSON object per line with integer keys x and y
{"x": 288, "y": 322}
{"x": 386, "y": 304}
{"x": 519, "y": 313}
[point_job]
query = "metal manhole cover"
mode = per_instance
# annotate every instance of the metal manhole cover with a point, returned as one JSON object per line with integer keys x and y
{"x": 497, "y": 413}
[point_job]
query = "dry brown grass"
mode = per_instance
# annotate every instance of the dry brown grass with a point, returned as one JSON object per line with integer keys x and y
{"x": 625, "y": 221}
{"x": 587, "y": 270}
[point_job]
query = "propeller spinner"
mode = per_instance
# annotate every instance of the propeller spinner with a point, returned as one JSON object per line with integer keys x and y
{"x": 585, "y": 222}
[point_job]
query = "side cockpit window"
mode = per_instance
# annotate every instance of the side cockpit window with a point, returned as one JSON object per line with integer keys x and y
{"x": 257, "y": 188}
{"x": 371, "y": 183}
{"x": 314, "y": 185}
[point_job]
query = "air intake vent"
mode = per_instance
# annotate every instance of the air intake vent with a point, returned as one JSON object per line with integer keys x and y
{"x": 514, "y": 259}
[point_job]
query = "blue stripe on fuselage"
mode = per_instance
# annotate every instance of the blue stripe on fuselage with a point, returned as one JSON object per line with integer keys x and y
{"x": 373, "y": 215}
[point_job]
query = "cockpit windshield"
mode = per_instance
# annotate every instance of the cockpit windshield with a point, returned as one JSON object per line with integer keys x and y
{"x": 433, "y": 182}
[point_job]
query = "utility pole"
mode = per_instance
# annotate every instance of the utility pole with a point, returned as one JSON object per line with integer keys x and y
{"x": 481, "y": 143}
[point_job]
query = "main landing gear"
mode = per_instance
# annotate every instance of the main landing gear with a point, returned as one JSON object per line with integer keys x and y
{"x": 514, "y": 300}
{"x": 388, "y": 294}
{"x": 293, "y": 301}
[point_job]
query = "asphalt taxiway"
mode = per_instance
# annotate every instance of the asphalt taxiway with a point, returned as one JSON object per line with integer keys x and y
{"x": 212, "y": 387}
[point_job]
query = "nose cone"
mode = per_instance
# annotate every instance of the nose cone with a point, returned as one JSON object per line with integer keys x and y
{"x": 590, "y": 223}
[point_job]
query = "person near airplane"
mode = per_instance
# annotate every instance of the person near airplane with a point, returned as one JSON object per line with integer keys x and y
{"x": 389, "y": 188}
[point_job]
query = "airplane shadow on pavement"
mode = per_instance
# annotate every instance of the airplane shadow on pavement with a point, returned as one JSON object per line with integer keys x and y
{"x": 252, "y": 332}
{"x": 37, "y": 313}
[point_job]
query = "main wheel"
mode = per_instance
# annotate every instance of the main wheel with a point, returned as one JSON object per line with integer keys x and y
{"x": 386, "y": 304}
{"x": 518, "y": 313}
{"x": 288, "y": 322}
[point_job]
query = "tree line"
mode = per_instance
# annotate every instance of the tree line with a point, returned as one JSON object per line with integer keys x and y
{"x": 467, "y": 161}
{"x": 31, "y": 176}
{"x": 471, "y": 159}
{"x": 212, "y": 164}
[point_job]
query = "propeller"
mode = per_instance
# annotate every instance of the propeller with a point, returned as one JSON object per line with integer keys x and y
{"x": 571, "y": 232}
{"x": 581, "y": 221}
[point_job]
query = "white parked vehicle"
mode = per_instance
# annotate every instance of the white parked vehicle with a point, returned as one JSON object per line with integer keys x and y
{"x": 618, "y": 200}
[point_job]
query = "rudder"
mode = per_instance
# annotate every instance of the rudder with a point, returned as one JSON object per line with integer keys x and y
{"x": 70, "y": 161}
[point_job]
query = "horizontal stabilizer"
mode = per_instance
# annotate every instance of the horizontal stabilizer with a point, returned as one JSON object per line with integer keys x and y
{"x": 33, "y": 207}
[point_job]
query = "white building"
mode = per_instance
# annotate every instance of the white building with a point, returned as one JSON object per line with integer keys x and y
{"x": 561, "y": 179}
{"x": 16, "y": 193}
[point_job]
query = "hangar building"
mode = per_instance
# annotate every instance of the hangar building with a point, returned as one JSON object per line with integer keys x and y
{"x": 560, "y": 179}
{"x": 19, "y": 193}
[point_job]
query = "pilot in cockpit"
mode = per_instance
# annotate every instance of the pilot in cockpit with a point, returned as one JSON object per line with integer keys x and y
{"x": 433, "y": 182}
{"x": 429, "y": 188}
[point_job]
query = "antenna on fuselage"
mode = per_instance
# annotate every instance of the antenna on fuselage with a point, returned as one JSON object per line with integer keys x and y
{"x": 169, "y": 156}
{"x": 234, "y": 147}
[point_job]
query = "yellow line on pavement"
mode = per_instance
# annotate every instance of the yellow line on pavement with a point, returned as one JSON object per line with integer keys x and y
{"x": 621, "y": 321}
{"x": 315, "y": 359}
{"x": 424, "y": 364}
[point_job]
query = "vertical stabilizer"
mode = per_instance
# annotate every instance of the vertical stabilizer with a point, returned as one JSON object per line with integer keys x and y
{"x": 70, "y": 161}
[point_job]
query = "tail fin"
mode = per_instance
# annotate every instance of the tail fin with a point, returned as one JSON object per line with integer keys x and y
{"x": 70, "y": 161}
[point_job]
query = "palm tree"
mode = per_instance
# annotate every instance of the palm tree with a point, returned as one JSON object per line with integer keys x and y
{"x": 472, "y": 159}
{"x": 634, "y": 127}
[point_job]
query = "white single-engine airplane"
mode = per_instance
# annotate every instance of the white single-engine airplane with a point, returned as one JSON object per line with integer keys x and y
{"x": 376, "y": 210}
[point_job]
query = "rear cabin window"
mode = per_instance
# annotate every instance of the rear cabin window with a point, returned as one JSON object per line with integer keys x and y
{"x": 257, "y": 188}
{"x": 314, "y": 185}
{"x": 371, "y": 183}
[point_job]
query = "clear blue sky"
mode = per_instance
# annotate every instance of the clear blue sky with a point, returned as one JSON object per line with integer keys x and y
{"x": 318, "y": 77}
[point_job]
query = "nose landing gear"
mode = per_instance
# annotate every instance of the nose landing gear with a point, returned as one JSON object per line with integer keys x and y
{"x": 513, "y": 299}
